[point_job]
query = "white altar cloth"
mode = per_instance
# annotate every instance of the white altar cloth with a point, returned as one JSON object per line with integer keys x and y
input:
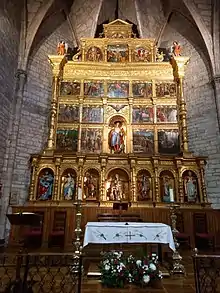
{"x": 131, "y": 232}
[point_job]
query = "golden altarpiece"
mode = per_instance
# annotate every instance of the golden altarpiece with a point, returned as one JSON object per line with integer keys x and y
{"x": 118, "y": 127}
{"x": 117, "y": 132}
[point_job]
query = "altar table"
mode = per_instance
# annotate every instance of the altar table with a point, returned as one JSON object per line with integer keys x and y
{"x": 131, "y": 232}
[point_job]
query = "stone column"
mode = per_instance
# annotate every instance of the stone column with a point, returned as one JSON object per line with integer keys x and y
{"x": 14, "y": 123}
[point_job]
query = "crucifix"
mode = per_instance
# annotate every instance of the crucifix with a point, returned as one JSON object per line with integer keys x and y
{"x": 130, "y": 235}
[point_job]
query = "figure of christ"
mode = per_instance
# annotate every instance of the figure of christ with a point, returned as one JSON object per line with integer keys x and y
{"x": 116, "y": 138}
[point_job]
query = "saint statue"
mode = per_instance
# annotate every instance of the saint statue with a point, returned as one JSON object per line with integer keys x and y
{"x": 69, "y": 187}
{"x": 190, "y": 187}
{"x": 116, "y": 189}
{"x": 46, "y": 186}
{"x": 116, "y": 138}
{"x": 166, "y": 189}
{"x": 144, "y": 187}
{"x": 90, "y": 185}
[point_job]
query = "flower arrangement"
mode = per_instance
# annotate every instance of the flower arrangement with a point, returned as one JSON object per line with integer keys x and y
{"x": 144, "y": 270}
{"x": 114, "y": 272}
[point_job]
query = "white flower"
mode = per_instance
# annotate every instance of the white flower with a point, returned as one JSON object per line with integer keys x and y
{"x": 152, "y": 267}
{"x": 146, "y": 279}
{"x": 107, "y": 267}
{"x": 145, "y": 267}
{"x": 138, "y": 263}
{"x": 122, "y": 265}
{"x": 105, "y": 262}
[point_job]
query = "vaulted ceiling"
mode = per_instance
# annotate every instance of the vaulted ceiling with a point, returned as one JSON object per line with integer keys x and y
{"x": 151, "y": 18}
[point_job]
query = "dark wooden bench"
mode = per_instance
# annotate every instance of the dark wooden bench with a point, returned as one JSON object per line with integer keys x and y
{"x": 107, "y": 217}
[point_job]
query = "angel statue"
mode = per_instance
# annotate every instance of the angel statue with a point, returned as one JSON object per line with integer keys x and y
{"x": 176, "y": 49}
{"x": 62, "y": 48}
{"x": 160, "y": 56}
{"x": 116, "y": 138}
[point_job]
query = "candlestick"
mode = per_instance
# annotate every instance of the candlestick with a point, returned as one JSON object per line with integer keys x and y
{"x": 171, "y": 195}
{"x": 79, "y": 193}
{"x": 178, "y": 268}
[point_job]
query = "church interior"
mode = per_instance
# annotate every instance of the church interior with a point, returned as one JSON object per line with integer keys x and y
{"x": 110, "y": 125}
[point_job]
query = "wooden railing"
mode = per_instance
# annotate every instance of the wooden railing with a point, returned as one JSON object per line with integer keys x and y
{"x": 207, "y": 273}
{"x": 40, "y": 272}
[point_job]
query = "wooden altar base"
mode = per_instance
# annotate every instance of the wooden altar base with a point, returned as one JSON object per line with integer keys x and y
{"x": 90, "y": 214}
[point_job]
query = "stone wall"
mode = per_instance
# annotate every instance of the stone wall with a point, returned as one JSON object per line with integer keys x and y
{"x": 35, "y": 112}
{"x": 9, "y": 46}
{"x": 201, "y": 109}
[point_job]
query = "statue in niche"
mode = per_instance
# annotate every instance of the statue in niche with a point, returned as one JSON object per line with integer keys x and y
{"x": 176, "y": 49}
{"x": 45, "y": 186}
{"x": 190, "y": 186}
{"x": 69, "y": 187}
{"x": 144, "y": 187}
{"x": 167, "y": 189}
{"x": 116, "y": 138}
{"x": 90, "y": 186}
{"x": 115, "y": 192}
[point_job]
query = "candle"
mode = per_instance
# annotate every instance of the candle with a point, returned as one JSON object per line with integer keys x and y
{"x": 171, "y": 195}
{"x": 79, "y": 193}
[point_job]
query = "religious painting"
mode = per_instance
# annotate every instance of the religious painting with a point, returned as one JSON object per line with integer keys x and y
{"x": 190, "y": 181}
{"x": 118, "y": 89}
{"x": 166, "y": 89}
{"x": 168, "y": 141}
{"x": 143, "y": 115}
{"x": 142, "y": 89}
{"x": 141, "y": 55}
{"x": 70, "y": 88}
{"x": 45, "y": 184}
{"x": 94, "y": 54}
{"x": 68, "y": 186}
{"x": 94, "y": 89}
{"x": 166, "y": 114}
{"x": 144, "y": 186}
{"x": 92, "y": 115}
{"x": 67, "y": 140}
{"x": 116, "y": 138}
{"x": 68, "y": 113}
{"x": 143, "y": 141}
{"x": 91, "y": 185}
{"x": 117, "y": 53}
{"x": 167, "y": 186}
{"x": 91, "y": 140}
{"x": 117, "y": 185}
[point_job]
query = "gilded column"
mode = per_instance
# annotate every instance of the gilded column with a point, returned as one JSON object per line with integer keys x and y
{"x": 180, "y": 194}
{"x": 156, "y": 181}
{"x": 102, "y": 179}
{"x": 32, "y": 195}
{"x": 203, "y": 196}
{"x": 80, "y": 124}
{"x": 130, "y": 149}
{"x": 133, "y": 181}
{"x": 80, "y": 178}
{"x": 105, "y": 126}
{"x": 57, "y": 63}
{"x": 56, "y": 179}
{"x": 179, "y": 64}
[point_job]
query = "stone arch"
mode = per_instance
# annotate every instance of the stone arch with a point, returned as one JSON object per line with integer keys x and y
{"x": 202, "y": 29}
